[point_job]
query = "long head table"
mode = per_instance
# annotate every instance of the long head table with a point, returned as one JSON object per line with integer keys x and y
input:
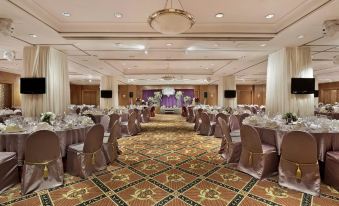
{"x": 15, "y": 142}
{"x": 325, "y": 141}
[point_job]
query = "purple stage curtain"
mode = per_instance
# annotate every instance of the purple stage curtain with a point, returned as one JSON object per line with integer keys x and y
{"x": 171, "y": 100}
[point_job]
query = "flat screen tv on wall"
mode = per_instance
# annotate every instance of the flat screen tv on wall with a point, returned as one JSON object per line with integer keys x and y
{"x": 302, "y": 85}
{"x": 230, "y": 93}
{"x": 106, "y": 93}
{"x": 316, "y": 93}
{"x": 33, "y": 85}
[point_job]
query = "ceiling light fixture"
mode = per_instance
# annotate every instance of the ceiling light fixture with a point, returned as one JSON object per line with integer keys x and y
{"x": 118, "y": 15}
{"x": 300, "y": 36}
{"x": 169, "y": 44}
{"x": 269, "y": 16}
{"x": 170, "y": 20}
{"x": 219, "y": 15}
{"x": 33, "y": 35}
{"x": 66, "y": 14}
{"x": 146, "y": 52}
{"x": 262, "y": 45}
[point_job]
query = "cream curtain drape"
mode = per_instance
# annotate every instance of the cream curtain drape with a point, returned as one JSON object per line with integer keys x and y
{"x": 282, "y": 66}
{"x": 52, "y": 64}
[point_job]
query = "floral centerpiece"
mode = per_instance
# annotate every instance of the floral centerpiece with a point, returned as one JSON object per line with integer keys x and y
{"x": 157, "y": 97}
{"x": 48, "y": 117}
{"x": 178, "y": 95}
{"x": 187, "y": 99}
{"x": 329, "y": 108}
{"x": 289, "y": 117}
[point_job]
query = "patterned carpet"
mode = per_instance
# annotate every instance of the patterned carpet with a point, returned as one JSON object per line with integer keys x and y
{"x": 168, "y": 164}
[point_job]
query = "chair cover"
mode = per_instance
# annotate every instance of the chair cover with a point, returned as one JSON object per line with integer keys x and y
{"x": 191, "y": 117}
{"x": 242, "y": 117}
{"x": 234, "y": 123}
{"x": 112, "y": 119}
{"x": 145, "y": 116}
{"x": 230, "y": 150}
{"x": 85, "y": 158}
{"x": 129, "y": 128}
{"x": 331, "y": 169}
{"x": 9, "y": 175}
{"x": 138, "y": 120}
{"x": 197, "y": 119}
{"x": 104, "y": 121}
{"x": 299, "y": 170}
{"x": 110, "y": 144}
{"x": 152, "y": 111}
{"x": 206, "y": 127}
{"x": 256, "y": 159}
{"x": 184, "y": 111}
{"x": 218, "y": 132}
{"x": 43, "y": 167}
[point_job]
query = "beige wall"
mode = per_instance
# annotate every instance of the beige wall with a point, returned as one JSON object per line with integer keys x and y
{"x": 14, "y": 81}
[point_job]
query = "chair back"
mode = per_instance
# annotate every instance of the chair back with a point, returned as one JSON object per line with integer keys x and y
{"x": 112, "y": 119}
{"x": 104, "y": 121}
{"x": 152, "y": 109}
{"x": 94, "y": 139}
{"x": 132, "y": 121}
{"x": 225, "y": 129}
{"x": 115, "y": 132}
{"x": 222, "y": 116}
{"x": 299, "y": 147}
{"x": 250, "y": 139}
{"x": 42, "y": 146}
{"x": 234, "y": 123}
{"x": 190, "y": 111}
{"x": 205, "y": 119}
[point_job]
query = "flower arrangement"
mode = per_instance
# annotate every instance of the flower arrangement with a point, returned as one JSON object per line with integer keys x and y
{"x": 178, "y": 95}
{"x": 329, "y": 108}
{"x": 48, "y": 117}
{"x": 187, "y": 99}
{"x": 290, "y": 116}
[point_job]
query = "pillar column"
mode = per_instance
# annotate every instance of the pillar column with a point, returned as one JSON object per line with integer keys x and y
{"x": 229, "y": 84}
{"x": 221, "y": 91}
{"x": 45, "y": 61}
{"x": 109, "y": 83}
{"x": 282, "y": 66}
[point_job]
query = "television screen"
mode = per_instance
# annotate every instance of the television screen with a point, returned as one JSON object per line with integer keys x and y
{"x": 106, "y": 93}
{"x": 302, "y": 85}
{"x": 33, "y": 85}
{"x": 230, "y": 93}
{"x": 316, "y": 93}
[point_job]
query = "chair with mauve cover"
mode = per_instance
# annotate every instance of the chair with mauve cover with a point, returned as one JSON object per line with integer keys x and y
{"x": 152, "y": 111}
{"x": 197, "y": 120}
{"x": 110, "y": 144}
{"x": 112, "y": 119}
{"x": 256, "y": 159}
{"x": 184, "y": 111}
{"x": 43, "y": 167}
{"x": 206, "y": 127}
{"x": 85, "y": 158}
{"x": 138, "y": 119}
{"x": 129, "y": 128}
{"x": 145, "y": 116}
{"x": 298, "y": 167}
{"x": 331, "y": 169}
{"x": 191, "y": 117}
{"x": 218, "y": 132}
{"x": 242, "y": 117}
{"x": 230, "y": 148}
{"x": 9, "y": 175}
{"x": 234, "y": 125}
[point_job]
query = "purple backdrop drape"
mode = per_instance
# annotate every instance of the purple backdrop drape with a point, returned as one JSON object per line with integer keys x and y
{"x": 171, "y": 100}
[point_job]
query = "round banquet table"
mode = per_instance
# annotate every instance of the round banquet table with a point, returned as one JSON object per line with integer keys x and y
{"x": 326, "y": 141}
{"x": 15, "y": 142}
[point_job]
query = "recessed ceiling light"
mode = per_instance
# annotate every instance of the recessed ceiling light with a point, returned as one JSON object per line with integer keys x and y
{"x": 67, "y": 14}
{"x": 212, "y": 64}
{"x": 146, "y": 52}
{"x": 206, "y": 68}
{"x": 169, "y": 44}
{"x": 262, "y": 45}
{"x": 90, "y": 80}
{"x": 118, "y": 15}
{"x": 269, "y": 16}
{"x": 300, "y": 36}
{"x": 128, "y": 68}
{"x": 219, "y": 15}
{"x": 33, "y": 35}
{"x": 216, "y": 44}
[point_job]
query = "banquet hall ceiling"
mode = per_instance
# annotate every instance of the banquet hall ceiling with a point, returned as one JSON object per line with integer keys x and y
{"x": 98, "y": 43}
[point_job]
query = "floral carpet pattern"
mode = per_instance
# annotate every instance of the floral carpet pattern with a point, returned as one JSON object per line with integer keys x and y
{"x": 168, "y": 164}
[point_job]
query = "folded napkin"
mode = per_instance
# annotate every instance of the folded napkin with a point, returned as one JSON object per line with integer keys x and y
{"x": 12, "y": 127}
{"x": 2, "y": 127}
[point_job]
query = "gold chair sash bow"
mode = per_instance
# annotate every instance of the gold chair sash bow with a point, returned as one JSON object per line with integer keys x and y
{"x": 298, "y": 172}
{"x": 45, "y": 164}
{"x": 250, "y": 158}
{"x": 93, "y": 155}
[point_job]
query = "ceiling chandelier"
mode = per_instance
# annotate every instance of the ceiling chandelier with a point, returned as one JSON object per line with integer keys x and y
{"x": 168, "y": 77}
{"x": 170, "y": 20}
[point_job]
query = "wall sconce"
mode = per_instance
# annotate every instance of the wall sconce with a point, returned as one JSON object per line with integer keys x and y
{"x": 124, "y": 96}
